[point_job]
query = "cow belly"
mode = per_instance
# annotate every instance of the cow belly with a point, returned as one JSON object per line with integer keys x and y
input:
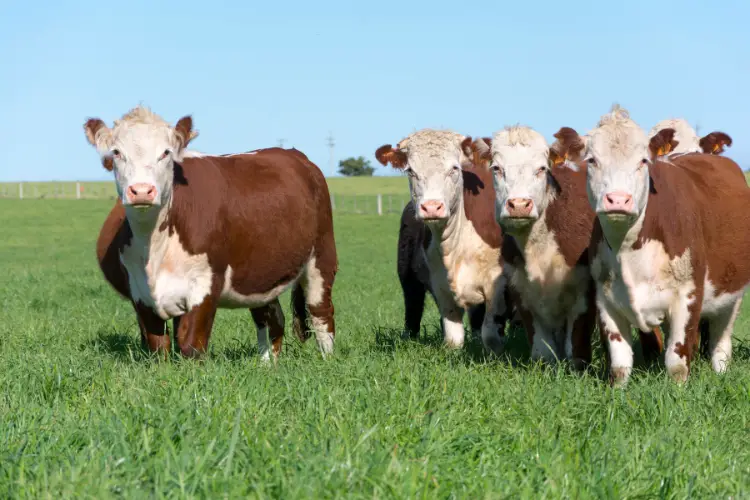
{"x": 715, "y": 302}
{"x": 230, "y": 298}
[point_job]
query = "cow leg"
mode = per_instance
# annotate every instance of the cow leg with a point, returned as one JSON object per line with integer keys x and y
{"x": 720, "y": 329}
{"x": 269, "y": 321}
{"x": 154, "y": 332}
{"x": 317, "y": 283}
{"x": 578, "y": 338}
{"x": 652, "y": 344}
{"x": 495, "y": 319}
{"x": 195, "y": 328}
{"x": 452, "y": 318}
{"x": 476, "y": 318}
{"x": 684, "y": 319}
{"x": 414, "y": 296}
{"x": 615, "y": 332}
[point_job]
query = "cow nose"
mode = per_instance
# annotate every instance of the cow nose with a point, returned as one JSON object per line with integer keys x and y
{"x": 141, "y": 193}
{"x": 617, "y": 201}
{"x": 432, "y": 209}
{"x": 519, "y": 207}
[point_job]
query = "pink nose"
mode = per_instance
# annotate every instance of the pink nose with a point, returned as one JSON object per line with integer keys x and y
{"x": 519, "y": 207}
{"x": 141, "y": 193}
{"x": 432, "y": 209}
{"x": 618, "y": 202}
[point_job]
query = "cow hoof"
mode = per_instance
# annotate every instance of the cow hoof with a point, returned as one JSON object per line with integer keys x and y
{"x": 619, "y": 376}
{"x": 678, "y": 373}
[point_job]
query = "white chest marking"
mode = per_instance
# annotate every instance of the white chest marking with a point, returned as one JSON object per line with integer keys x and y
{"x": 465, "y": 266}
{"x": 643, "y": 284}
{"x": 550, "y": 289}
{"x": 164, "y": 276}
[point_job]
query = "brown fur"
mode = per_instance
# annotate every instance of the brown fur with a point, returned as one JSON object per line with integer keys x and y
{"x": 663, "y": 143}
{"x": 240, "y": 211}
{"x": 714, "y": 142}
{"x": 386, "y": 154}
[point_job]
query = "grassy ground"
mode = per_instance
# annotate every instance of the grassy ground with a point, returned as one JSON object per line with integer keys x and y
{"x": 85, "y": 413}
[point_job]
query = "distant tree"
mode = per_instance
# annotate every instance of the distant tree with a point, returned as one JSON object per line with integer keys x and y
{"x": 356, "y": 167}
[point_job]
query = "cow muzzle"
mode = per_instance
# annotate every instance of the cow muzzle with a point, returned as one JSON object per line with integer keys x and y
{"x": 432, "y": 210}
{"x": 141, "y": 194}
{"x": 618, "y": 204}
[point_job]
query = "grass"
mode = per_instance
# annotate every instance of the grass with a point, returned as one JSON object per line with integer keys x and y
{"x": 85, "y": 413}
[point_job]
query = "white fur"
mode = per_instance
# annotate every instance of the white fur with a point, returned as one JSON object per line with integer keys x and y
{"x": 685, "y": 135}
{"x": 230, "y": 298}
{"x": 263, "y": 350}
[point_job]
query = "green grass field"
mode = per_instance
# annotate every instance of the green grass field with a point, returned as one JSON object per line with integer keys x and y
{"x": 85, "y": 413}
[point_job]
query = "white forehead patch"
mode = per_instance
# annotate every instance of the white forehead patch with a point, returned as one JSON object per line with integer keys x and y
{"x": 617, "y": 136}
{"x": 518, "y": 137}
{"x": 430, "y": 144}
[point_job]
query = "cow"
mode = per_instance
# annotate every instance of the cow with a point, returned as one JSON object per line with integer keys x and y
{"x": 687, "y": 138}
{"x": 541, "y": 207}
{"x": 194, "y": 233}
{"x": 669, "y": 244}
{"x": 461, "y": 246}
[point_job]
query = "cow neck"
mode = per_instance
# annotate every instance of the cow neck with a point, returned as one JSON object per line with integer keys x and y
{"x": 148, "y": 228}
{"x": 450, "y": 234}
{"x": 622, "y": 239}
{"x": 530, "y": 236}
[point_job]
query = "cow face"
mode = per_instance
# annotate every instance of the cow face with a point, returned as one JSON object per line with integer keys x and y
{"x": 141, "y": 149}
{"x": 433, "y": 161}
{"x": 519, "y": 162}
{"x": 618, "y": 156}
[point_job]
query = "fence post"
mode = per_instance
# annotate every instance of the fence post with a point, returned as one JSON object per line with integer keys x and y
{"x": 78, "y": 190}
{"x": 380, "y": 204}
{"x": 333, "y": 201}
{"x": 20, "y": 190}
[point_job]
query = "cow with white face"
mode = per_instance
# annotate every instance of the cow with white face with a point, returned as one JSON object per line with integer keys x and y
{"x": 547, "y": 225}
{"x": 669, "y": 245}
{"x": 686, "y": 139}
{"x": 454, "y": 198}
{"x": 192, "y": 233}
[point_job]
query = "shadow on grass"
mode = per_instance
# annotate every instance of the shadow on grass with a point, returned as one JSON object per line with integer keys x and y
{"x": 121, "y": 346}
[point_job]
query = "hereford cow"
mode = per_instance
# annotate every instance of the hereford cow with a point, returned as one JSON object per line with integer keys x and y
{"x": 687, "y": 139}
{"x": 462, "y": 242}
{"x": 547, "y": 222}
{"x": 669, "y": 243}
{"x": 194, "y": 233}
{"x": 414, "y": 274}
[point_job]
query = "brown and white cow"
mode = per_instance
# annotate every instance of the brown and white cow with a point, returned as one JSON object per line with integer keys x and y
{"x": 687, "y": 139}
{"x": 462, "y": 247}
{"x": 670, "y": 243}
{"x": 194, "y": 233}
{"x": 547, "y": 222}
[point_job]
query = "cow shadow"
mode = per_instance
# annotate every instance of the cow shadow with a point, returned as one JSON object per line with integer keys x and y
{"x": 119, "y": 345}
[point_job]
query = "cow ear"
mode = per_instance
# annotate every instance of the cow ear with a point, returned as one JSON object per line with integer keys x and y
{"x": 386, "y": 154}
{"x": 714, "y": 143}
{"x": 466, "y": 147}
{"x": 567, "y": 149}
{"x": 662, "y": 143}
{"x": 482, "y": 149}
{"x": 98, "y": 134}
{"x": 184, "y": 132}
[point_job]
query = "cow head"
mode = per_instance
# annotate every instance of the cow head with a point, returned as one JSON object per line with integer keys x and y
{"x": 519, "y": 163}
{"x": 714, "y": 143}
{"x": 618, "y": 155}
{"x": 141, "y": 148}
{"x": 433, "y": 160}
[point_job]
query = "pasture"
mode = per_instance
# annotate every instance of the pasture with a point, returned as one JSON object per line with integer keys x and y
{"x": 86, "y": 413}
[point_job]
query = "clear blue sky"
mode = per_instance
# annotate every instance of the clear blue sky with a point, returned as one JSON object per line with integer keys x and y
{"x": 253, "y": 72}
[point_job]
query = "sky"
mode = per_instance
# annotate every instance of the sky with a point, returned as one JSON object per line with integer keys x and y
{"x": 251, "y": 73}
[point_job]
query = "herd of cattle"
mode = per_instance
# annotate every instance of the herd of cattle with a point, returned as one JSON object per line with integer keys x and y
{"x": 615, "y": 229}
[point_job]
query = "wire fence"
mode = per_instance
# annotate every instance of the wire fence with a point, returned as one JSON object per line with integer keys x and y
{"x": 365, "y": 204}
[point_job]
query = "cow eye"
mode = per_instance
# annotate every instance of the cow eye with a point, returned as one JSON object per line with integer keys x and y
{"x": 456, "y": 168}
{"x": 164, "y": 154}
{"x": 410, "y": 172}
{"x": 540, "y": 170}
{"x": 116, "y": 153}
{"x": 591, "y": 162}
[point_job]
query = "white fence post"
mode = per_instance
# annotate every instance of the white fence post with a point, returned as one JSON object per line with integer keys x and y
{"x": 20, "y": 190}
{"x": 380, "y": 204}
{"x": 78, "y": 190}
{"x": 333, "y": 201}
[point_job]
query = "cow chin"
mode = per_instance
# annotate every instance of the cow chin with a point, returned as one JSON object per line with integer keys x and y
{"x": 516, "y": 224}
